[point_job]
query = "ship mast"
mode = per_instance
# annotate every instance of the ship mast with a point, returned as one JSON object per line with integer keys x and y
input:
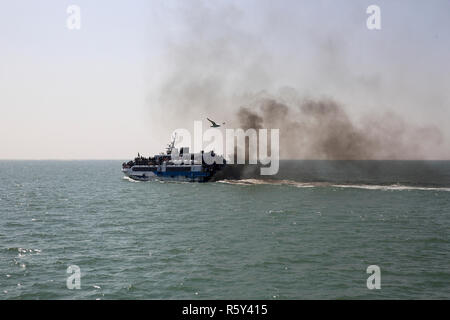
{"x": 171, "y": 145}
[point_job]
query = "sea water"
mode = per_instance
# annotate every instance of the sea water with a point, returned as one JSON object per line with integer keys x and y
{"x": 309, "y": 232}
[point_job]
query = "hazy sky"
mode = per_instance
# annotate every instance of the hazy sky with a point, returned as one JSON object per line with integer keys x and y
{"x": 137, "y": 70}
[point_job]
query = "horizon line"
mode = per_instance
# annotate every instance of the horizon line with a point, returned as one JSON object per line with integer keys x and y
{"x": 125, "y": 159}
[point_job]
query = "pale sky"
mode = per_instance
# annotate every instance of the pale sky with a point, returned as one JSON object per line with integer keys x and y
{"x": 105, "y": 91}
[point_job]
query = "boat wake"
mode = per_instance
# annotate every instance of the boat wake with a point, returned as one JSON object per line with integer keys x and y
{"x": 250, "y": 182}
{"x": 392, "y": 187}
{"x": 129, "y": 179}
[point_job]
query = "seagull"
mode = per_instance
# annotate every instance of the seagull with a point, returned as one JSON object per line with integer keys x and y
{"x": 213, "y": 124}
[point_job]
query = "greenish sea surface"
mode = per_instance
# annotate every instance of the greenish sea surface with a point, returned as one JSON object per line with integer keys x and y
{"x": 308, "y": 233}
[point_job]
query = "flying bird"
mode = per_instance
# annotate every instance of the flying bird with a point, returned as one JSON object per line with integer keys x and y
{"x": 213, "y": 124}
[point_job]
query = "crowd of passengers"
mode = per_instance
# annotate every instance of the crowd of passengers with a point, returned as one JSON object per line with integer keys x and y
{"x": 143, "y": 161}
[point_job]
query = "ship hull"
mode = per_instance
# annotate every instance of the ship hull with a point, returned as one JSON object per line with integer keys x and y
{"x": 174, "y": 175}
{"x": 175, "y": 165}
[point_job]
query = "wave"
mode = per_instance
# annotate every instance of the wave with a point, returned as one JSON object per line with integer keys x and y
{"x": 248, "y": 182}
{"x": 129, "y": 179}
{"x": 398, "y": 187}
{"x": 392, "y": 187}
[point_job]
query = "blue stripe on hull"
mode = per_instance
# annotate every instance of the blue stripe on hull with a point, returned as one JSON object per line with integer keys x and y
{"x": 180, "y": 173}
{"x": 176, "y": 176}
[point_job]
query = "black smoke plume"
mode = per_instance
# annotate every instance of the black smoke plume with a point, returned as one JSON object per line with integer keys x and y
{"x": 321, "y": 129}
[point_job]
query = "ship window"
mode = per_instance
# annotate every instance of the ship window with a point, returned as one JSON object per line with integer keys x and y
{"x": 144, "y": 169}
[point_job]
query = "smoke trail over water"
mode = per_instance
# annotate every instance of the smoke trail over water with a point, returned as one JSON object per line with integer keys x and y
{"x": 322, "y": 129}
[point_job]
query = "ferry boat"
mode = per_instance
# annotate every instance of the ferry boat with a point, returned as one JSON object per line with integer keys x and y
{"x": 175, "y": 165}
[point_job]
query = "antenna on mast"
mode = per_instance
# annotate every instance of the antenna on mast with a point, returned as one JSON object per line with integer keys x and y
{"x": 171, "y": 145}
